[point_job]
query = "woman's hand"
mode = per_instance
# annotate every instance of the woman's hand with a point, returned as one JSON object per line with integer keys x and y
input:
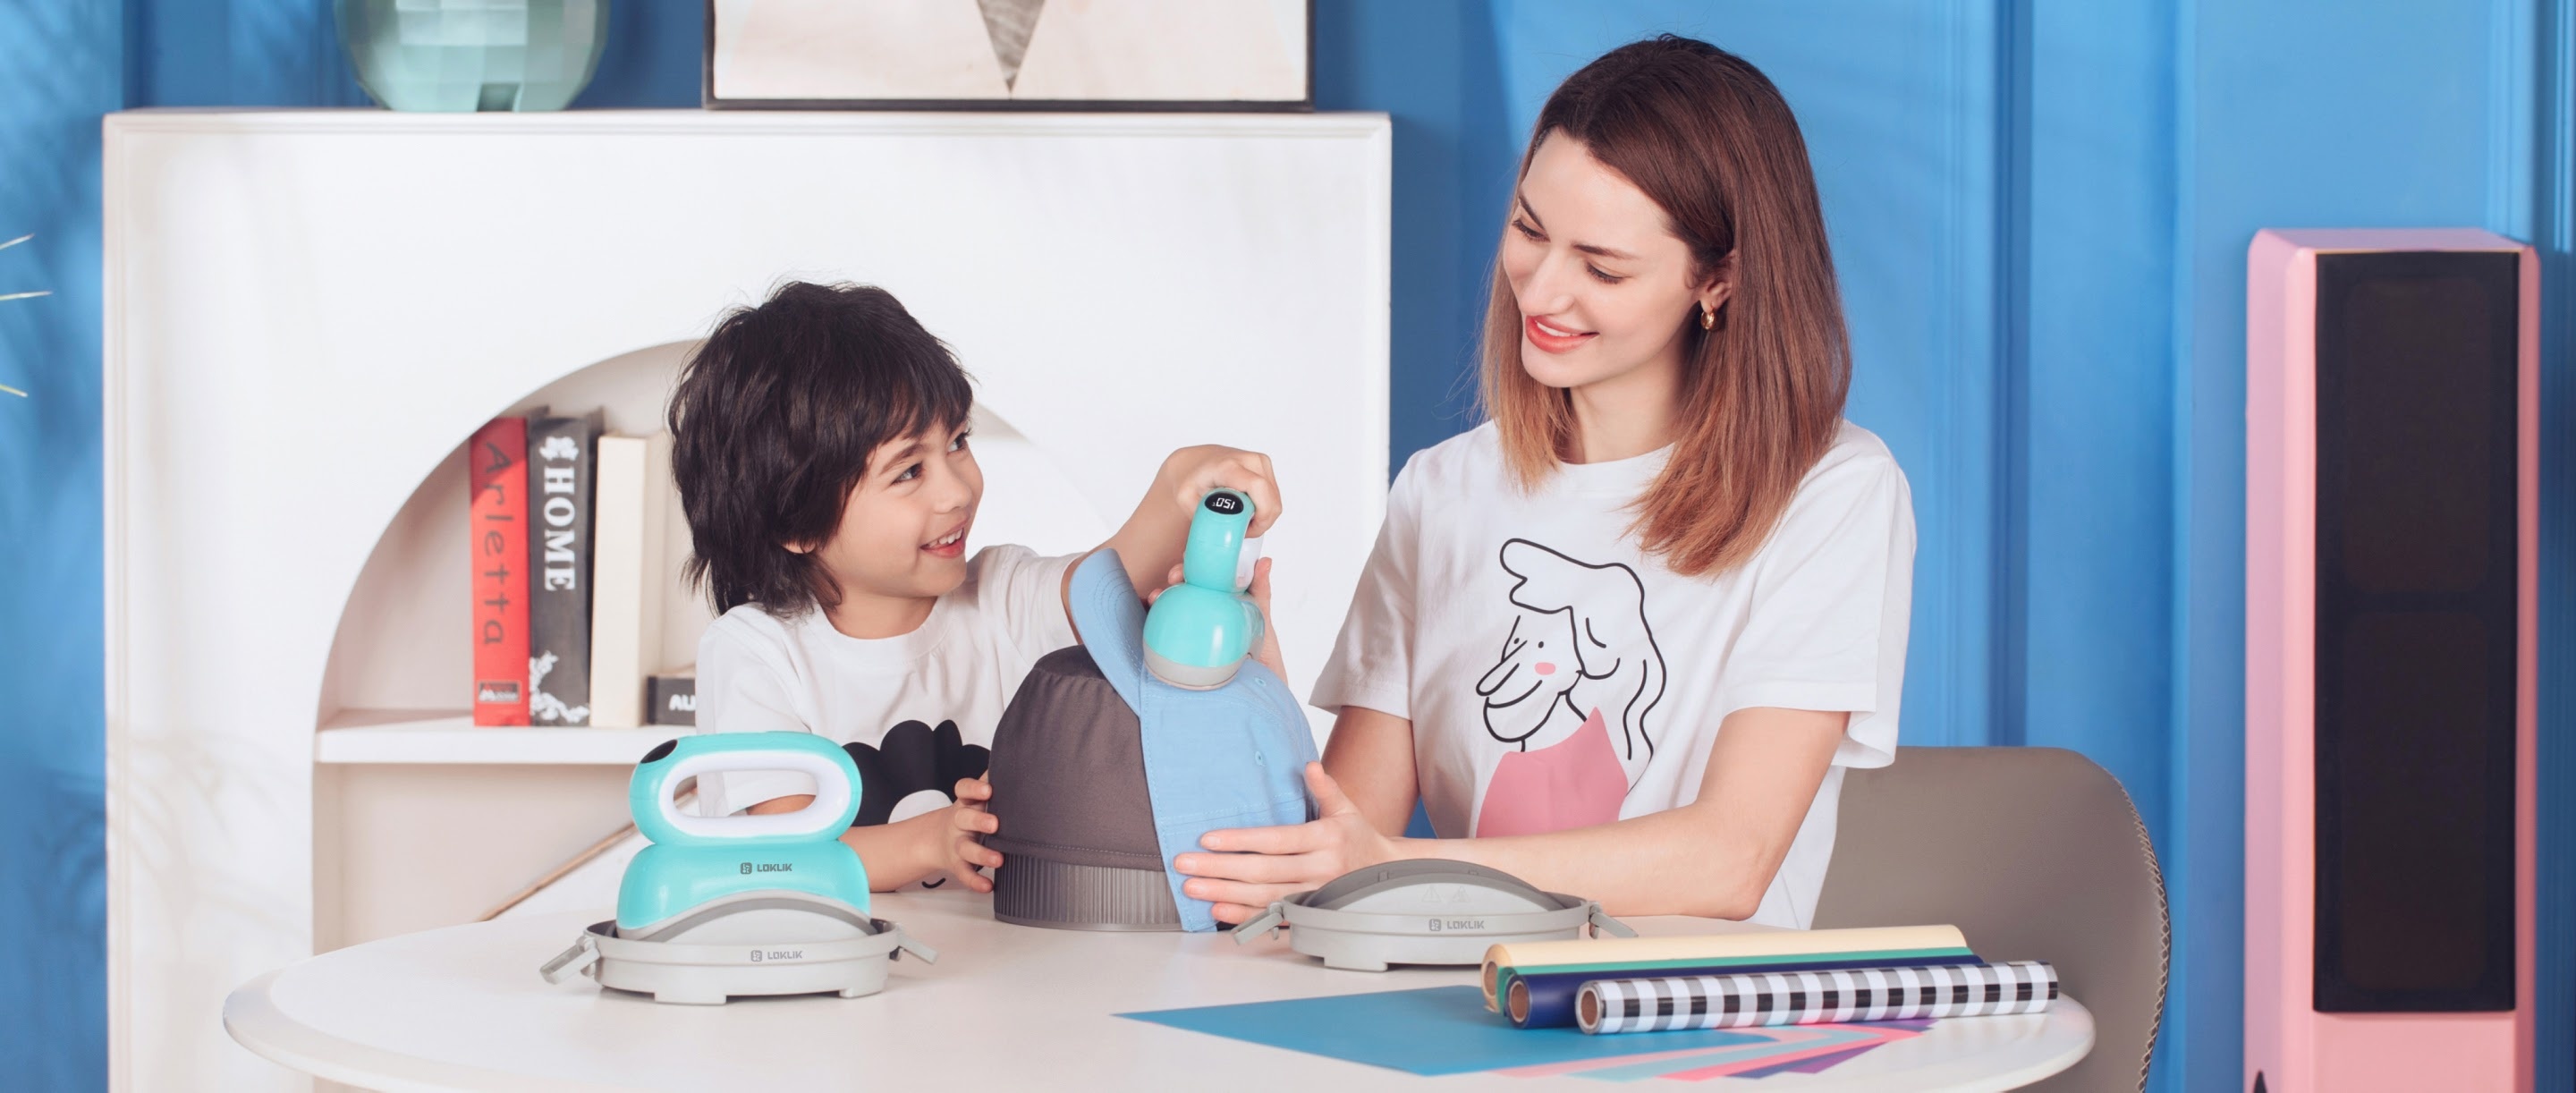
{"x": 1188, "y": 474}
{"x": 1255, "y": 866}
{"x": 961, "y": 849}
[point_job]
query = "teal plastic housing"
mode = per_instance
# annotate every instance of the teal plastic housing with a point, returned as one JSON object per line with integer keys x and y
{"x": 694, "y": 859}
{"x": 1199, "y": 631}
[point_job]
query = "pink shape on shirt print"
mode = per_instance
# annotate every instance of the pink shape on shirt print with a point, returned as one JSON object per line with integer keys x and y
{"x": 1579, "y": 657}
{"x": 1575, "y": 782}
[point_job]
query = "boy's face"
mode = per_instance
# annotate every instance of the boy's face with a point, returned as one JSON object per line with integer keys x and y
{"x": 903, "y": 530}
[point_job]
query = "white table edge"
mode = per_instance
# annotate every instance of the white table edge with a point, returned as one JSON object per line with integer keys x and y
{"x": 254, "y": 1021}
{"x": 2044, "y": 1069}
{"x": 256, "y": 1024}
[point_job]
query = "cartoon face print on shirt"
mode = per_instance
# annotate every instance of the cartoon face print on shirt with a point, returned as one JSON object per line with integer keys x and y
{"x": 914, "y": 770}
{"x": 1577, "y": 677}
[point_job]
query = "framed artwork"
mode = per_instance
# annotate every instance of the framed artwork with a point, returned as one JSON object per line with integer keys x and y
{"x": 1009, "y": 55}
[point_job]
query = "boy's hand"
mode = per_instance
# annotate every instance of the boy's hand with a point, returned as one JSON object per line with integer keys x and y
{"x": 1189, "y": 473}
{"x": 1153, "y": 538}
{"x": 1268, "y": 651}
{"x": 962, "y": 849}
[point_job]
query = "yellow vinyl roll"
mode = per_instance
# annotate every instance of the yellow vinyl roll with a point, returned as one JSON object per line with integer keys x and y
{"x": 1633, "y": 956}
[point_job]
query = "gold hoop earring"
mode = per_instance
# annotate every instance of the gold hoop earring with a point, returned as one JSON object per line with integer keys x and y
{"x": 1707, "y": 317}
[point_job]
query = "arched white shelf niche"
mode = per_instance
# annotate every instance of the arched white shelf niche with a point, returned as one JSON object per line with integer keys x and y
{"x": 425, "y": 820}
{"x": 400, "y": 665}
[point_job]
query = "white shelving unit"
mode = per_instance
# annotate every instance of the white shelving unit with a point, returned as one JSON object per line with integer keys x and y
{"x": 308, "y": 312}
{"x": 418, "y": 736}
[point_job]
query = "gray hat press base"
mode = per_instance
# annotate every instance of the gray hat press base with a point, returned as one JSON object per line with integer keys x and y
{"x": 1424, "y": 911}
{"x": 1034, "y": 891}
{"x": 751, "y": 944}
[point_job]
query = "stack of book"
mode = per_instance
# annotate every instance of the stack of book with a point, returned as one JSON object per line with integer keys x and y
{"x": 569, "y": 575}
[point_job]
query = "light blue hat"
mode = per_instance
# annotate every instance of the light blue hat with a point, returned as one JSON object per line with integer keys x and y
{"x": 1234, "y": 756}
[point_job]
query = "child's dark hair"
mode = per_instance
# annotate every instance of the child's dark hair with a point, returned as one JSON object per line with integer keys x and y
{"x": 772, "y": 424}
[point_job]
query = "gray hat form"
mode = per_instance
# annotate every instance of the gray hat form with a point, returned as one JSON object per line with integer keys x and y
{"x": 1077, "y": 826}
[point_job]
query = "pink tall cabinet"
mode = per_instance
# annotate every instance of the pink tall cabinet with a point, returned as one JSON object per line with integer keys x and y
{"x": 2392, "y": 525}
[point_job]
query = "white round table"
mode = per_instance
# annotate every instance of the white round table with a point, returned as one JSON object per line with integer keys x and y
{"x": 1006, "y": 1007}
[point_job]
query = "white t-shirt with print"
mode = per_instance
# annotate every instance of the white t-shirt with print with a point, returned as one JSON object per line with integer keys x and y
{"x": 759, "y": 673}
{"x": 1557, "y": 677}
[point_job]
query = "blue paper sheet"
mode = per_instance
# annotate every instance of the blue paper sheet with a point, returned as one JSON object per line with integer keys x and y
{"x": 1431, "y": 1031}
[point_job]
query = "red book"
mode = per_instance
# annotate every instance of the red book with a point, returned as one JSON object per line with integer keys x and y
{"x": 496, "y": 464}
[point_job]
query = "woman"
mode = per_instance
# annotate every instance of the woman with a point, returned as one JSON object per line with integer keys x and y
{"x": 1622, "y": 638}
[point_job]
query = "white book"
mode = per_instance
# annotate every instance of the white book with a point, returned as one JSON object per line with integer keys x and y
{"x": 631, "y": 573}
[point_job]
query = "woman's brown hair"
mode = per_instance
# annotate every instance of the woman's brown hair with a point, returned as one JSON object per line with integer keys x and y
{"x": 1708, "y": 138}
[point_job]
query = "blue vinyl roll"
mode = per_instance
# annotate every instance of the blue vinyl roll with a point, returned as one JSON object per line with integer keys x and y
{"x": 1552, "y": 994}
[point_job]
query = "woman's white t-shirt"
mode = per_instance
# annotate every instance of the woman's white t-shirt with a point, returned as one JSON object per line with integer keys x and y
{"x": 924, "y": 704}
{"x": 1558, "y": 677}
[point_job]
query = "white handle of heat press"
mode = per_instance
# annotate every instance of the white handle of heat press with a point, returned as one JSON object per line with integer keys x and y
{"x": 1244, "y": 560}
{"x": 831, "y": 794}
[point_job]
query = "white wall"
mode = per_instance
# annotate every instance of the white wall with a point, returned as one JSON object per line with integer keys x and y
{"x": 306, "y": 312}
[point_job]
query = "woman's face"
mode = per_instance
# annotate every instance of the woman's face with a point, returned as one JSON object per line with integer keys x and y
{"x": 1604, "y": 287}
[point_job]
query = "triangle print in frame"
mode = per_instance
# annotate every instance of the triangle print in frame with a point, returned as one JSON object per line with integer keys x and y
{"x": 1160, "y": 55}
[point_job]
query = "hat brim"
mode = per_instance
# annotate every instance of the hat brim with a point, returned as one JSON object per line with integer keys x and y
{"x": 1109, "y": 618}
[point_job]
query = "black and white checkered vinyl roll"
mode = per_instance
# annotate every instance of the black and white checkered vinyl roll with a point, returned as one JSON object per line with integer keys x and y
{"x": 1815, "y": 997}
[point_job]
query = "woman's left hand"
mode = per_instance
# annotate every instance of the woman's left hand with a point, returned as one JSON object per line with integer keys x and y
{"x": 1255, "y": 866}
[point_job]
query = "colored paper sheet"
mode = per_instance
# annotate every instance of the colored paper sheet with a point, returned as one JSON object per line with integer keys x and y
{"x": 1811, "y": 1062}
{"x": 1829, "y": 1040}
{"x": 1802, "y": 1049}
{"x": 1748, "y": 1067}
{"x": 1764, "y": 1043}
{"x": 1817, "y": 1065}
{"x": 1430, "y": 1031}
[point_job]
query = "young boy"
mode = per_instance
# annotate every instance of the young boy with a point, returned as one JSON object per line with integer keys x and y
{"x": 820, "y": 447}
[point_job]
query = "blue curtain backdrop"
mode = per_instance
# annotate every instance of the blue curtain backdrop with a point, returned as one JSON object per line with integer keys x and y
{"x": 2039, "y": 211}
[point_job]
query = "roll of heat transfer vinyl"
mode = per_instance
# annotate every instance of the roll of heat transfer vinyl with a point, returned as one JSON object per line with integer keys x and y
{"x": 1815, "y": 997}
{"x": 1624, "y": 958}
{"x": 1547, "y": 999}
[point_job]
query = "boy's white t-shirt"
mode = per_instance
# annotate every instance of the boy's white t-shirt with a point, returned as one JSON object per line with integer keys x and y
{"x": 1557, "y": 677}
{"x": 759, "y": 673}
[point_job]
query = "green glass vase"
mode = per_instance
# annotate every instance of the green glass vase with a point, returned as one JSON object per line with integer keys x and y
{"x": 462, "y": 55}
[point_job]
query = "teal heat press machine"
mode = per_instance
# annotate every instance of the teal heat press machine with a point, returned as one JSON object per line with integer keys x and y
{"x": 725, "y": 906}
{"x": 1199, "y": 631}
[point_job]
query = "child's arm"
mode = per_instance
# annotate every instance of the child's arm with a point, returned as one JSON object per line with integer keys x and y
{"x": 941, "y": 841}
{"x": 1150, "y": 543}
